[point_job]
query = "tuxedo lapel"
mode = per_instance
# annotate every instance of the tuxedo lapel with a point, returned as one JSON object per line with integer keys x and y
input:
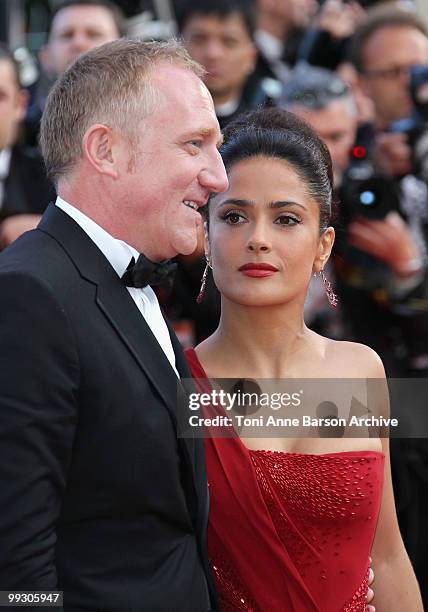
{"x": 137, "y": 335}
{"x": 200, "y": 474}
{"x": 194, "y": 445}
{"x": 119, "y": 308}
{"x": 114, "y": 301}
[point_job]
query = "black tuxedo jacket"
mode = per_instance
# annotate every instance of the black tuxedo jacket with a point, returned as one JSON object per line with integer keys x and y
{"x": 26, "y": 187}
{"x": 98, "y": 497}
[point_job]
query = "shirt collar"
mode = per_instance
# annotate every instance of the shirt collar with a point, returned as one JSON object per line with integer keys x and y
{"x": 227, "y": 108}
{"x": 271, "y": 47}
{"x": 117, "y": 252}
{"x": 5, "y": 155}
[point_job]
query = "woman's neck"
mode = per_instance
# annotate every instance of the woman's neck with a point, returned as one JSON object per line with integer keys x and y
{"x": 256, "y": 341}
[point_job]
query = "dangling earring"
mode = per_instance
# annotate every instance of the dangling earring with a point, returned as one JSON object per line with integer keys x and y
{"x": 331, "y": 296}
{"x": 203, "y": 281}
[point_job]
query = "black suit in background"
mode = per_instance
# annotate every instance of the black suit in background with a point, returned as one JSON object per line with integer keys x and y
{"x": 98, "y": 497}
{"x": 268, "y": 69}
{"x": 26, "y": 188}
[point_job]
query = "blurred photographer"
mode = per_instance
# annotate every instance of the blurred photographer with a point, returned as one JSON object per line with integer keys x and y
{"x": 390, "y": 52}
{"x": 384, "y": 49}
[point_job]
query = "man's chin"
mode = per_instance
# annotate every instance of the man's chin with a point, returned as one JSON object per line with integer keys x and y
{"x": 187, "y": 249}
{"x": 185, "y": 243}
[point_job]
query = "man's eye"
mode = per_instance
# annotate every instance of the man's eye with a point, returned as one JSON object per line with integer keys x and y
{"x": 230, "y": 43}
{"x": 287, "y": 220}
{"x": 195, "y": 143}
{"x": 233, "y": 218}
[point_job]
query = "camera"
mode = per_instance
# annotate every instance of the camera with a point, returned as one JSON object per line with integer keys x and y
{"x": 365, "y": 191}
{"x": 373, "y": 194}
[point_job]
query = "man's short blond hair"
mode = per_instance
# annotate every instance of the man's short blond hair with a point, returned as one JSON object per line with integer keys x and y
{"x": 110, "y": 85}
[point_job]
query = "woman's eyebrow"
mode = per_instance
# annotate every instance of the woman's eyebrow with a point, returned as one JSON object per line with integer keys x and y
{"x": 285, "y": 203}
{"x": 237, "y": 202}
{"x": 246, "y": 203}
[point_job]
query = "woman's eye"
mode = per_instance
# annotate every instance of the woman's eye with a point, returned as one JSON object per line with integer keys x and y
{"x": 287, "y": 220}
{"x": 233, "y": 218}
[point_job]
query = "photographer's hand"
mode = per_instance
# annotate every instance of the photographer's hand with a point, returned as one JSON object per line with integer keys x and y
{"x": 340, "y": 18}
{"x": 388, "y": 240}
{"x": 392, "y": 154}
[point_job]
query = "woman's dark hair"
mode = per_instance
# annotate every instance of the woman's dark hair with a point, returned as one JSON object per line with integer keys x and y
{"x": 279, "y": 134}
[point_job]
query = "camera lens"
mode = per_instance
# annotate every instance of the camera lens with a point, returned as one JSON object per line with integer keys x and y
{"x": 368, "y": 198}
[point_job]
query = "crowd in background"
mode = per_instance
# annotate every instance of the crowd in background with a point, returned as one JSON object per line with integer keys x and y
{"x": 358, "y": 73}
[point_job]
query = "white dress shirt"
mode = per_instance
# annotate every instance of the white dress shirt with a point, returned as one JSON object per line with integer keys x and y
{"x": 5, "y": 155}
{"x": 272, "y": 48}
{"x": 227, "y": 108}
{"x": 119, "y": 254}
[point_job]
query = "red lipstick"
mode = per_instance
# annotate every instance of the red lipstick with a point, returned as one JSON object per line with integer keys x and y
{"x": 258, "y": 270}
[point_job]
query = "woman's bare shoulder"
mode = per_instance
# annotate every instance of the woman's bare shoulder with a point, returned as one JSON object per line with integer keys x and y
{"x": 353, "y": 360}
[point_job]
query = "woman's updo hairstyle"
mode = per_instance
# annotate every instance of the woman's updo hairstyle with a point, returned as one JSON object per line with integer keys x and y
{"x": 279, "y": 134}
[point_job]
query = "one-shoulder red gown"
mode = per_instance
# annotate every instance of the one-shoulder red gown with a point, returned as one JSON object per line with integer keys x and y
{"x": 290, "y": 532}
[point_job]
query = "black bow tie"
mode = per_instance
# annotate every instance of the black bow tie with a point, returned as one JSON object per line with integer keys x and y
{"x": 146, "y": 272}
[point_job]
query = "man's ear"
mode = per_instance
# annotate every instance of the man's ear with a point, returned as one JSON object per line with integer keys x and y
{"x": 97, "y": 147}
{"x": 45, "y": 59}
{"x": 363, "y": 82}
{"x": 21, "y": 104}
{"x": 325, "y": 246}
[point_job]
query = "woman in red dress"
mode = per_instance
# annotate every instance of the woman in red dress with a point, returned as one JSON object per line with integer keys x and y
{"x": 293, "y": 521}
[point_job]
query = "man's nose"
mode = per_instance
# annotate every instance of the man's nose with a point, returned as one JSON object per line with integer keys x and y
{"x": 213, "y": 50}
{"x": 81, "y": 43}
{"x": 214, "y": 177}
{"x": 404, "y": 76}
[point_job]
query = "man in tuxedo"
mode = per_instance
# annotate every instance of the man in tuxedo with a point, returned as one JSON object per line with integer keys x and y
{"x": 98, "y": 496}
